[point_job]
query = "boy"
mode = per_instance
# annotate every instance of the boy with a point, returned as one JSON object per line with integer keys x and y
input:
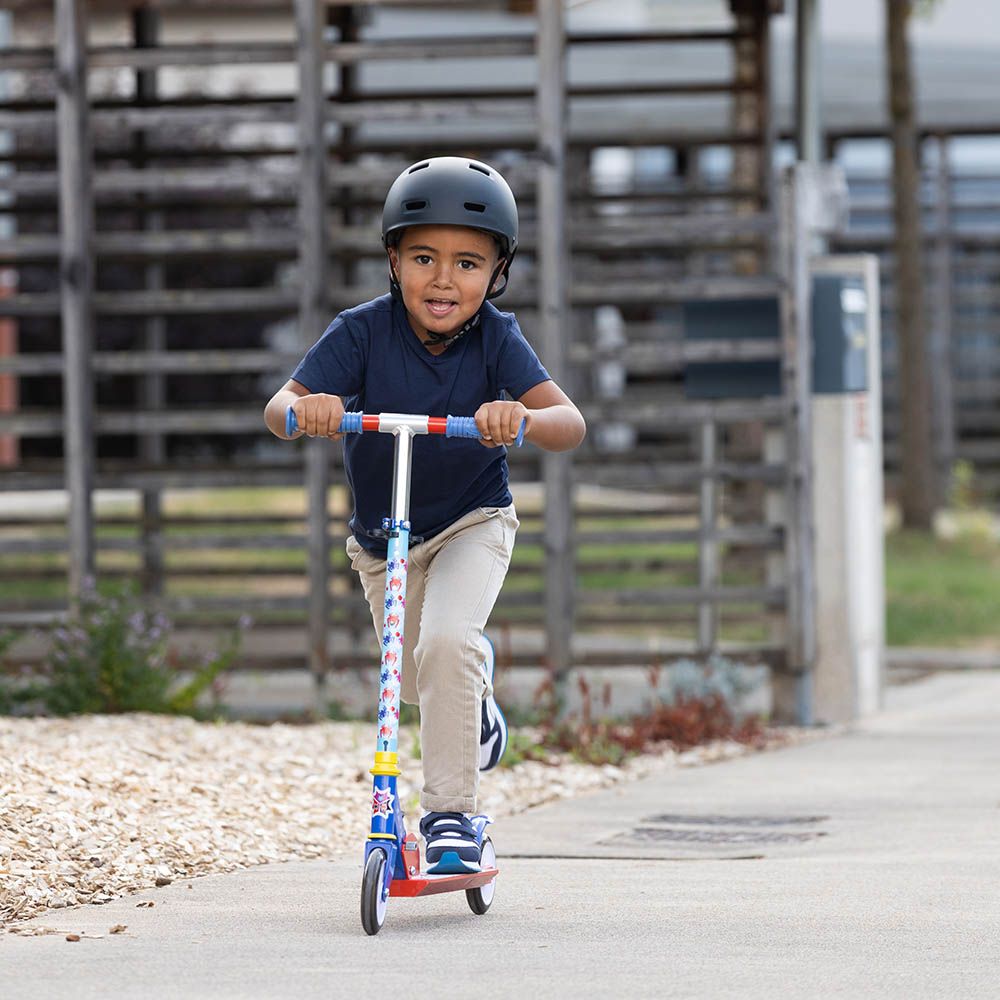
{"x": 435, "y": 345}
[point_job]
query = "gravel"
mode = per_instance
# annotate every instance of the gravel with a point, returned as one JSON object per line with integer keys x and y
{"x": 95, "y": 807}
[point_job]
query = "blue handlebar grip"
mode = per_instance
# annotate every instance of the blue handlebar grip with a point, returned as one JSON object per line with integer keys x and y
{"x": 350, "y": 423}
{"x": 465, "y": 427}
{"x": 462, "y": 427}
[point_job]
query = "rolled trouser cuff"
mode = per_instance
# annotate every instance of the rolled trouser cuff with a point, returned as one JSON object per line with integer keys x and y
{"x": 447, "y": 803}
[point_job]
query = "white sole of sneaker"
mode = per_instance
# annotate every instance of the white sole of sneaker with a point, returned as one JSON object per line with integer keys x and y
{"x": 486, "y": 750}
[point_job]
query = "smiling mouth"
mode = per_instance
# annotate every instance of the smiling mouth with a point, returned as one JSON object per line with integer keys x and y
{"x": 440, "y": 307}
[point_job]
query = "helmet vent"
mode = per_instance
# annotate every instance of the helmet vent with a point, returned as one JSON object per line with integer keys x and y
{"x": 476, "y": 166}
{"x": 414, "y": 206}
{"x": 471, "y": 206}
{"x": 419, "y": 166}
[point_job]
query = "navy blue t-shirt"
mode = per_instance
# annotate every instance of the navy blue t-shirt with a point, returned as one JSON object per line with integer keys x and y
{"x": 370, "y": 357}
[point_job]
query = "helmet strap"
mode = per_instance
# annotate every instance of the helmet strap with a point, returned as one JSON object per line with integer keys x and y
{"x": 449, "y": 338}
{"x": 394, "y": 287}
{"x": 502, "y": 271}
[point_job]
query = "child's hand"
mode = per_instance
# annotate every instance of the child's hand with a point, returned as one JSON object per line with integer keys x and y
{"x": 500, "y": 421}
{"x": 319, "y": 415}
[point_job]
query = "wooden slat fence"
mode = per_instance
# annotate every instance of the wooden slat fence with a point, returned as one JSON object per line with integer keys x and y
{"x": 230, "y": 225}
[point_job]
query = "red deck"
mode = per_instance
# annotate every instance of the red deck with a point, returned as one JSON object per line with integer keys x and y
{"x": 426, "y": 885}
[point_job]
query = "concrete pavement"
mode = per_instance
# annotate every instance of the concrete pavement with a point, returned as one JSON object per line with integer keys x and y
{"x": 863, "y": 865}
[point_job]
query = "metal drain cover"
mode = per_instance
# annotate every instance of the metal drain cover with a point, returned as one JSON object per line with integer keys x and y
{"x": 721, "y": 830}
{"x": 751, "y": 821}
{"x": 660, "y": 834}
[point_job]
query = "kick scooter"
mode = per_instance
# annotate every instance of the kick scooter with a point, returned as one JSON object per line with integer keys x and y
{"x": 392, "y": 856}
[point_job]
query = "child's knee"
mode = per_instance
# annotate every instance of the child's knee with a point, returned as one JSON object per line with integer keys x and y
{"x": 454, "y": 646}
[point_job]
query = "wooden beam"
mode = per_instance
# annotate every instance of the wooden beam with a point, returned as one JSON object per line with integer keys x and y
{"x": 76, "y": 283}
{"x": 708, "y": 550}
{"x": 145, "y": 29}
{"x": 553, "y": 309}
{"x": 310, "y": 20}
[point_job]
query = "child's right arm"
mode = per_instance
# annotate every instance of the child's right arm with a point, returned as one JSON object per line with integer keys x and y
{"x": 318, "y": 413}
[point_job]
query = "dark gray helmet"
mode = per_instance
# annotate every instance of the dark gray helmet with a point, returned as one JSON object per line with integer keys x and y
{"x": 451, "y": 191}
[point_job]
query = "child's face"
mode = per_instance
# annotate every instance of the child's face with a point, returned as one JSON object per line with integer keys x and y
{"x": 443, "y": 272}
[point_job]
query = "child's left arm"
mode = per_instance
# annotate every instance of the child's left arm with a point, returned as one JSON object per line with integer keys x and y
{"x": 553, "y": 421}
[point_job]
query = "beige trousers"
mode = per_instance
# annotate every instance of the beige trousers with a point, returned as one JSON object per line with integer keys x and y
{"x": 453, "y": 581}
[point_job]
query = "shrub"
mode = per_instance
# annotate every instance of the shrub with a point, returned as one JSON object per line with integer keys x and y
{"x": 114, "y": 655}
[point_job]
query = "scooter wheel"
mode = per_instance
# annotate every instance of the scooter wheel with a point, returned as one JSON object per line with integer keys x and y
{"x": 480, "y": 898}
{"x": 374, "y": 897}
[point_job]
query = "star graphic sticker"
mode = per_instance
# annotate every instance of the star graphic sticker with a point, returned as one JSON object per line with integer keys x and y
{"x": 382, "y": 803}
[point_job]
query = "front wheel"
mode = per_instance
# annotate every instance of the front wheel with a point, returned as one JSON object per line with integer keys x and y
{"x": 374, "y": 897}
{"x": 481, "y": 897}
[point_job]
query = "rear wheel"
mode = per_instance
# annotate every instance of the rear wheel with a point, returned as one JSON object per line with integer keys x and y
{"x": 374, "y": 895}
{"x": 481, "y": 897}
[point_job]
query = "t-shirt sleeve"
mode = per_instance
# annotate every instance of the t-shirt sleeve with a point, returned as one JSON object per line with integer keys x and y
{"x": 335, "y": 364}
{"x": 518, "y": 367}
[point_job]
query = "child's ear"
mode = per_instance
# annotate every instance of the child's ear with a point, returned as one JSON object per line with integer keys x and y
{"x": 394, "y": 257}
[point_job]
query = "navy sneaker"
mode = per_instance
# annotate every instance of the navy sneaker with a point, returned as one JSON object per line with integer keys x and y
{"x": 493, "y": 734}
{"x": 451, "y": 843}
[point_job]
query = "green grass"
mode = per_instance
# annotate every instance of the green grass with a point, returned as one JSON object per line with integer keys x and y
{"x": 942, "y": 593}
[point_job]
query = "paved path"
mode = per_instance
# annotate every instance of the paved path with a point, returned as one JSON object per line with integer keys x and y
{"x": 864, "y": 865}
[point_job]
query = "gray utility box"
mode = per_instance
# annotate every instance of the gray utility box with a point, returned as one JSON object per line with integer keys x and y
{"x": 840, "y": 334}
{"x": 840, "y": 341}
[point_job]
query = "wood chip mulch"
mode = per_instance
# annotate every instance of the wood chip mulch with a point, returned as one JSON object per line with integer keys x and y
{"x": 95, "y": 807}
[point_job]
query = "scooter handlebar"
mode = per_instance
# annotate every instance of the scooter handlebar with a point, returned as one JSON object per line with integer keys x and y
{"x": 353, "y": 423}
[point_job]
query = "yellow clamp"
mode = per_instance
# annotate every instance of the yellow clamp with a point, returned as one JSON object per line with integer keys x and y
{"x": 386, "y": 762}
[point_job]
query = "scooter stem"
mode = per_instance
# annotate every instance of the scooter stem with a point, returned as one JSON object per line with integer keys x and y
{"x": 385, "y": 807}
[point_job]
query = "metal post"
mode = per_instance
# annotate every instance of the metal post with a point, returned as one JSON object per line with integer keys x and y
{"x": 553, "y": 308}
{"x": 797, "y": 392}
{"x": 808, "y": 129}
{"x": 310, "y": 21}
{"x": 76, "y": 283}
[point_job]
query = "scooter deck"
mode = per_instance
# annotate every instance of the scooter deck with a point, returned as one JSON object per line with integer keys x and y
{"x": 427, "y": 885}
